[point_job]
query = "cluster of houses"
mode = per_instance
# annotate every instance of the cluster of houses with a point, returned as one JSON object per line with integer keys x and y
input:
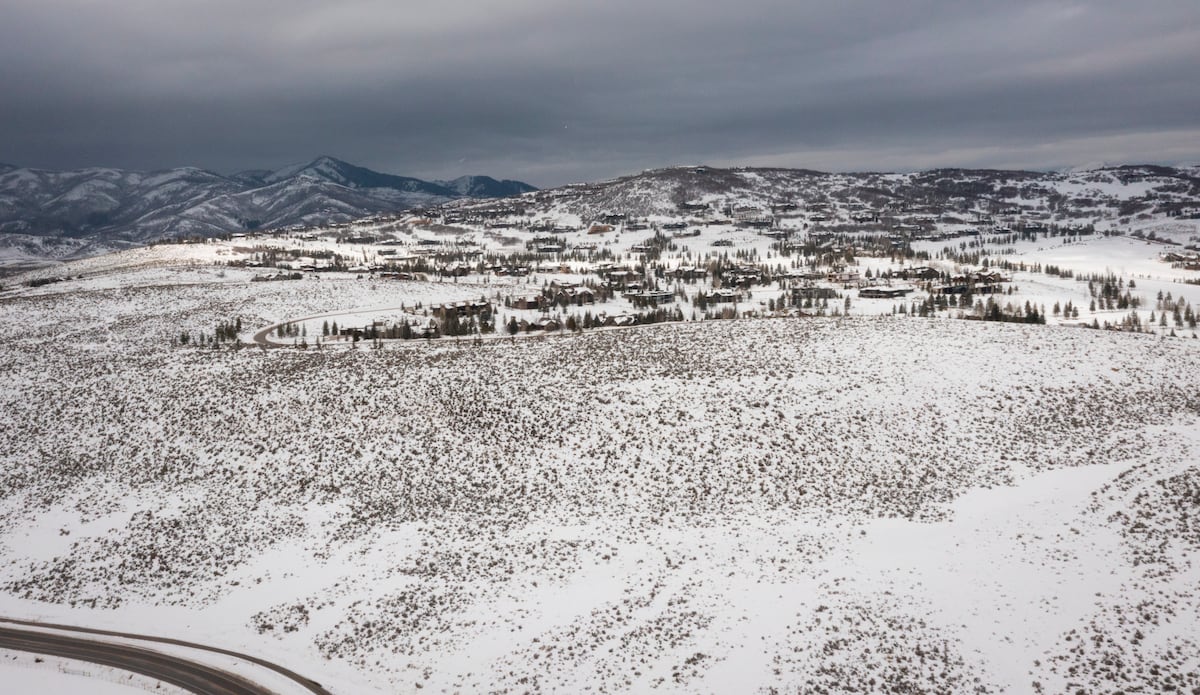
{"x": 724, "y": 281}
{"x": 444, "y": 319}
{"x": 618, "y": 277}
{"x": 547, "y": 324}
{"x": 978, "y": 282}
{"x": 742, "y": 275}
{"x": 804, "y": 287}
{"x": 492, "y": 216}
{"x": 557, "y": 293}
{"x": 1187, "y": 260}
{"x": 518, "y": 271}
{"x": 276, "y": 276}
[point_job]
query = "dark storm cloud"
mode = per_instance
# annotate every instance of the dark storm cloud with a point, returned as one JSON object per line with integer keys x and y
{"x": 533, "y": 89}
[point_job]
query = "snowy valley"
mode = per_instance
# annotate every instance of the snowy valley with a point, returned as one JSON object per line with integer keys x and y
{"x": 695, "y": 430}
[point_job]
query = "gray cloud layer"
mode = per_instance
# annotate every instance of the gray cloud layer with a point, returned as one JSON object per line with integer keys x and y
{"x": 551, "y": 93}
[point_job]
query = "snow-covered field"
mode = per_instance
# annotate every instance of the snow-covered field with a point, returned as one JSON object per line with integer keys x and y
{"x": 26, "y": 673}
{"x": 871, "y": 503}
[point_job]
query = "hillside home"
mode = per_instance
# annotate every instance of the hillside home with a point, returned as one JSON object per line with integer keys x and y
{"x": 723, "y": 296}
{"x": 543, "y": 324}
{"x": 571, "y": 293}
{"x": 529, "y": 303}
{"x": 843, "y": 277}
{"x": 884, "y": 292}
{"x": 687, "y": 272}
{"x": 618, "y": 320}
{"x": 918, "y": 273}
{"x": 651, "y": 297}
{"x": 464, "y": 308}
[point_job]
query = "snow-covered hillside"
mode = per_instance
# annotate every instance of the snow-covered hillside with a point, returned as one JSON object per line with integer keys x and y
{"x": 111, "y": 204}
{"x": 1121, "y": 195}
{"x": 818, "y": 504}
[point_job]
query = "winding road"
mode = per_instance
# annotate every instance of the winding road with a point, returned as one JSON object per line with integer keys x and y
{"x": 260, "y": 338}
{"x": 179, "y": 671}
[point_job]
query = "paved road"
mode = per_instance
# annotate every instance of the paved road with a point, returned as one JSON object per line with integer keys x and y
{"x": 260, "y": 338}
{"x": 168, "y": 668}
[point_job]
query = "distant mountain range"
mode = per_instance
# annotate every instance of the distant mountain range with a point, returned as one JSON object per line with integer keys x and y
{"x": 1120, "y": 194}
{"x": 46, "y": 216}
{"x": 76, "y": 211}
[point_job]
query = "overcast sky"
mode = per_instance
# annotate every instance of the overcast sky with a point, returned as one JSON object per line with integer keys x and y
{"x": 551, "y": 93}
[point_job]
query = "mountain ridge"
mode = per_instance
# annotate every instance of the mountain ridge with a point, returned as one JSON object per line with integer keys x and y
{"x": 1116, "y": 194}
{"x": 486, "y": 186}
{"x": 110, "y": 204}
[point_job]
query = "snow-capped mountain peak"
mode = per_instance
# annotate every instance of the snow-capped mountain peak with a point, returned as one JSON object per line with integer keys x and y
{"x": 113, "y": 204}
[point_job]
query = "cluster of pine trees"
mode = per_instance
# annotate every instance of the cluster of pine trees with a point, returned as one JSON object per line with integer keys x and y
{"x": 291, "y": 330}
{"x": 1067, "y": 311}
{"x": 1111, "y": 292}
{"x": 1009, "y": 313}
{"x": 1180, "y": 310}
{"x": 225, "y": 332}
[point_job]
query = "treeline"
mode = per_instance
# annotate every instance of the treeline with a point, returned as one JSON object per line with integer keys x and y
{"x": 990, "y": 310}
{"x": 1009, "y": 313}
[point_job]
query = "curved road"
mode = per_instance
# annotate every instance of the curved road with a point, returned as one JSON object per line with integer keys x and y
{"x": 260, "y": 338}
{"x": 168, "y": 668}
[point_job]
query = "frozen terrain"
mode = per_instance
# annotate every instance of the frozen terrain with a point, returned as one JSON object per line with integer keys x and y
{"x": 25, "y": 673}
{"x": 871, "y": 502}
